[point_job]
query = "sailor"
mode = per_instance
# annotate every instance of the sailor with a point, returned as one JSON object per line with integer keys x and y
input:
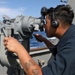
{"x": 58, "y": 24}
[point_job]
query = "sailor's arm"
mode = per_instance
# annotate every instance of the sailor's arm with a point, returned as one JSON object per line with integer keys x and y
{"x": 28, "y": 64}
{"x": 40, "y": 38}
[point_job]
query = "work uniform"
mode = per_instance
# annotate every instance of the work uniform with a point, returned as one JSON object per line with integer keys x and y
{"x": 63, "y": 62}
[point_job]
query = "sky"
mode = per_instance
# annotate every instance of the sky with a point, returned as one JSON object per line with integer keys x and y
{"x": 13, "y": 8}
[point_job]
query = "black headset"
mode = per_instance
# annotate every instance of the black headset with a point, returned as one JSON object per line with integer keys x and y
{"x": 54, "y": 22}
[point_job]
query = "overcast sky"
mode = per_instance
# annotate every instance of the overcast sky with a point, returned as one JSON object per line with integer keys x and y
{"x": 13, "y": 8}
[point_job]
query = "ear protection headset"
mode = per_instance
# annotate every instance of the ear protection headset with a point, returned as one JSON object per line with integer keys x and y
{"x": 54, "y": 22}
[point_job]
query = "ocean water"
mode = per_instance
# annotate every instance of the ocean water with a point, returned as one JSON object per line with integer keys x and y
{"x": 34, "y": 43}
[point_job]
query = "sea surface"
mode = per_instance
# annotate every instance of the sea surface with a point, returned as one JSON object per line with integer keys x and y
{"x": 34, "y": 43}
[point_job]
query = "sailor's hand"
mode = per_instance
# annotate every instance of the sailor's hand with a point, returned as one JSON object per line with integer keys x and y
{"x": 11, "y": 44}
{"x": 39, "y": 37}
